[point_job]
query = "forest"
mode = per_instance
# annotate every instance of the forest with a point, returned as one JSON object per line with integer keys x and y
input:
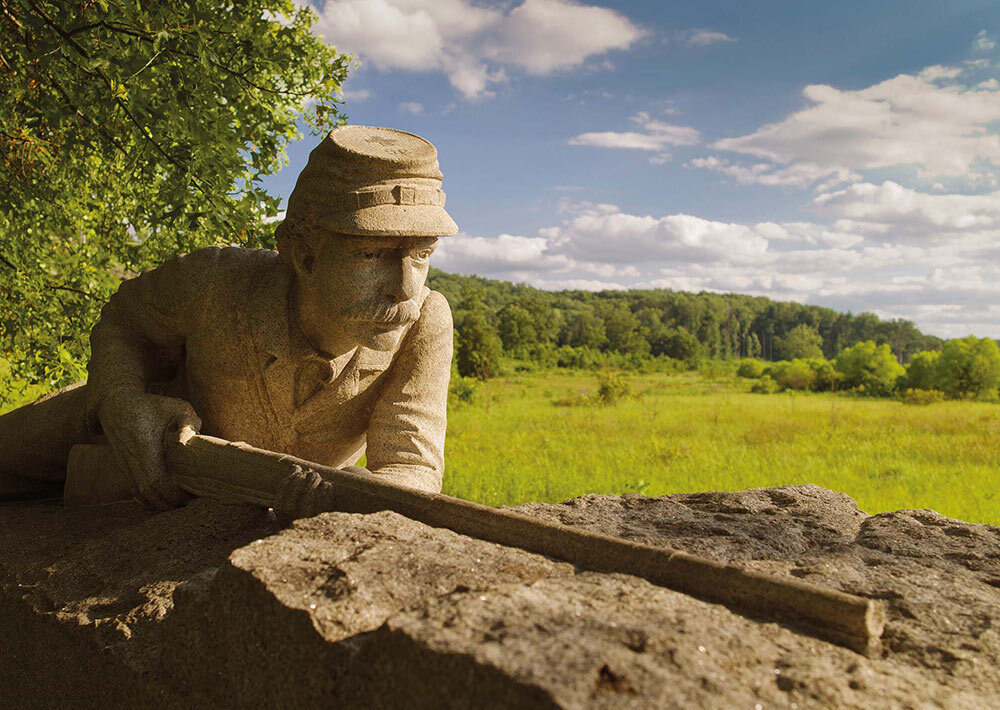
{"x": 533, "y": 324}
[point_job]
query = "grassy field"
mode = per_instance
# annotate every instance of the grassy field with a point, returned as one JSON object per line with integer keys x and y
{"x": 685, "y": 433}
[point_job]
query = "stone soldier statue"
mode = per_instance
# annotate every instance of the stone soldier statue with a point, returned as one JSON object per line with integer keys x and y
{"x": 329, "y": 348}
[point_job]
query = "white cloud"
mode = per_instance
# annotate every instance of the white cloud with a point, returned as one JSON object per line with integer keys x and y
{"x": 703, "y": 38}
{"x": 653, "y": 135}
{"x": 473, "y": 44}
{"x": 796, "y": 175}
{"x": 414, "y": 107}
{"x": 983, "y": 42}
{"x": 356, "y": 96}
{"x": 931, "y": 122}
{"x": 891, "y": 211}
{"x": 620, "y": 238}
{"x": 947, "y": 285}
{"x": 543, "y": 36}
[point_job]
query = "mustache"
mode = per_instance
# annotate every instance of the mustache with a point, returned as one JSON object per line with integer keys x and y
{"x": 398, "y": 314}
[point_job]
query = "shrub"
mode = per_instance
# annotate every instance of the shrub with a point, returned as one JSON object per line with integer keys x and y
{"x": 922, "y": 397}
{"x": 750, "y": 368}
{"x": 924, "y": 371}
{"x": 462, "y": 390}
{"x": 716, "y": 369}
{"x": 794, "y": 375}
{"x": 969, "y": 367}
{"x": 611, "y": 387}
{"x": 765, "y": 385}
{"x": 478, "y": 349}
{"x": 827, "y": 377}
{"x": 869, "y": 368}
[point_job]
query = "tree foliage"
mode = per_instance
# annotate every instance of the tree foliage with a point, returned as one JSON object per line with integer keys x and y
{"x": 605, "y": 327}
{"x": 478, "y": 351}
{"x": 802, "y": 341}
{"x": 969, "y": 367}
{"x": 923, "y": 372}
{"x": 870, "y": 368}
{"x": 130, "y": 131}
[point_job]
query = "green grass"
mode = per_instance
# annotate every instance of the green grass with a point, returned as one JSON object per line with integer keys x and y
{"x": 686, "y": 433}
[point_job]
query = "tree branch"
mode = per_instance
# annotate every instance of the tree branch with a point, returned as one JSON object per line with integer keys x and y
{"x": 71, "y": 289}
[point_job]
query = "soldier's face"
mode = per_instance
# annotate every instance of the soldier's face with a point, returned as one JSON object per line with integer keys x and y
{"x": 367, "y": 289}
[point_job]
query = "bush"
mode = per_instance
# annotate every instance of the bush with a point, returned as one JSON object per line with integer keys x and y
{"x": 969, "y": 367}
{"x": 579, "y": 358}
{"x": 462, "y": 390}
{"x": 827, "y": 377}
{"x": 717, "y": 369}
{"x": 611, "y": 387}
{"x": 478, "y": 348}
{"x": 924, "y": 371}
{"x": 794, "y": 375}
{"x": 870, "y": 369}
{"x": 750, "y": 368}
{"x": 922, "y": 397}
{"x": 765, "y": 385}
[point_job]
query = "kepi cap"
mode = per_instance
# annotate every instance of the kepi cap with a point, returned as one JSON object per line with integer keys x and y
{"x": 369, "y": 181}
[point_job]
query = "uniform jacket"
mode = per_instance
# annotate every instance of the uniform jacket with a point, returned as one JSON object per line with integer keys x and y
{"x": 215, "y": 325}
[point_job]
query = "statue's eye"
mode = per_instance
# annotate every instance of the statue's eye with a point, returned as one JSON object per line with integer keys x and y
{"x": 422, "y": 255}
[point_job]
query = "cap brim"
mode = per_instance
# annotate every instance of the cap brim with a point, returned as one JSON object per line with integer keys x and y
{"x": 393, "y": 221}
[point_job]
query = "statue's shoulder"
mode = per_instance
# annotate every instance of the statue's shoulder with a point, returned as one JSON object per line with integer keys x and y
{"x": 228, "y": 264}
{"x": 234, "y": 257}
{"x": 435, "y": 313}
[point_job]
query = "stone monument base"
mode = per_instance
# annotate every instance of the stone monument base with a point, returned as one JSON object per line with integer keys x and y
{"x": 214, "y": 605}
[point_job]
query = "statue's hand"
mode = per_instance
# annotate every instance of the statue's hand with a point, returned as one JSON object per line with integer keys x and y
{"x": 303, "y": 494}
{"x": 138, "y": 428}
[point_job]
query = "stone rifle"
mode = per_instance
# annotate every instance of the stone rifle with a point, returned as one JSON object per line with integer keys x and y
{"x": 236, "y": 472}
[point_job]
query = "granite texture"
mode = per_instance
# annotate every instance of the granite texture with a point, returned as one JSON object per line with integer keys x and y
{"x": 213, "y": 605}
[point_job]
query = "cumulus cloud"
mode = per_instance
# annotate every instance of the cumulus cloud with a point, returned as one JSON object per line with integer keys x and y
{"x": 652, "y": 135}
{"x": 703, "y": 38}
{"x": 796, "y": 175}
{"x": 474, "y": 44}
{"x": 983, "y": 42}
{"x": 859, "y": 258}
{"x": 891, "y": 211}
{"x": 931, "y": 122}
{"x": 414, "y": 107}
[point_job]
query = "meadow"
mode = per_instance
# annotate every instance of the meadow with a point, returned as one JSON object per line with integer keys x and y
{"x": 683, "y": 433}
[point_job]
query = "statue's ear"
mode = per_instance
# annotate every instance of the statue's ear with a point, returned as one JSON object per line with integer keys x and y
{"x": 303, "y": 257}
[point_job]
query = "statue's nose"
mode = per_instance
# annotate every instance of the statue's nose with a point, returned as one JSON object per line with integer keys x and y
{"x": 404, "y": 283}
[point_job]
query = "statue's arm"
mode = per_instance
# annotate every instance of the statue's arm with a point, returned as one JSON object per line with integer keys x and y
{"x": 149, "y": 316}
{"x": 407, "y": 429}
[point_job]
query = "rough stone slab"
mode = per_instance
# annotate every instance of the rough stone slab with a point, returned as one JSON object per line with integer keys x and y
{"x": 84, "y": 594}
{"x": 215, "y": 606}
{"x": 296, "y": 607}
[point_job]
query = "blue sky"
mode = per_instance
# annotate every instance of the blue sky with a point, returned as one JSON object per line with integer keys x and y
{"x": 845, "y": 154}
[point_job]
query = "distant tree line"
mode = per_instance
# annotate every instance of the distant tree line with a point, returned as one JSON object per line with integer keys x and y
{"x": 590, "y": 329}
{"x": 964, "y": 368}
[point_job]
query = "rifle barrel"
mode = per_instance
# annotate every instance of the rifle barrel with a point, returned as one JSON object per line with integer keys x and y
{"x": 234, "y": 471}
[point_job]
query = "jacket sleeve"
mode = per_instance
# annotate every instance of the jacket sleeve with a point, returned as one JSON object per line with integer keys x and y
{"x": 407, "y": 429}
{"x": 142, "y": 329}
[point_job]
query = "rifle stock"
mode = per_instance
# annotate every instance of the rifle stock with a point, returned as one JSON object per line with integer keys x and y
{"x": 236, "y": 472}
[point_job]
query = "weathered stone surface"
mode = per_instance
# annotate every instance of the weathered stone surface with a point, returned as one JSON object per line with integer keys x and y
{"x": 380, "y": 611}
{"x": 83, "y": 594}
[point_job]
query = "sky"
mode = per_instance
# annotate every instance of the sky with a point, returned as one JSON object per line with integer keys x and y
{"x": 841, "y": 154}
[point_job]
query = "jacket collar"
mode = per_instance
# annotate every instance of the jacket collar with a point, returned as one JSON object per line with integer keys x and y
{"x": 282, "y": 349}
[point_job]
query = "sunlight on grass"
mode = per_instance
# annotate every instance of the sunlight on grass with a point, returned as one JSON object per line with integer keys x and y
{"x": 684, "y": 433}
